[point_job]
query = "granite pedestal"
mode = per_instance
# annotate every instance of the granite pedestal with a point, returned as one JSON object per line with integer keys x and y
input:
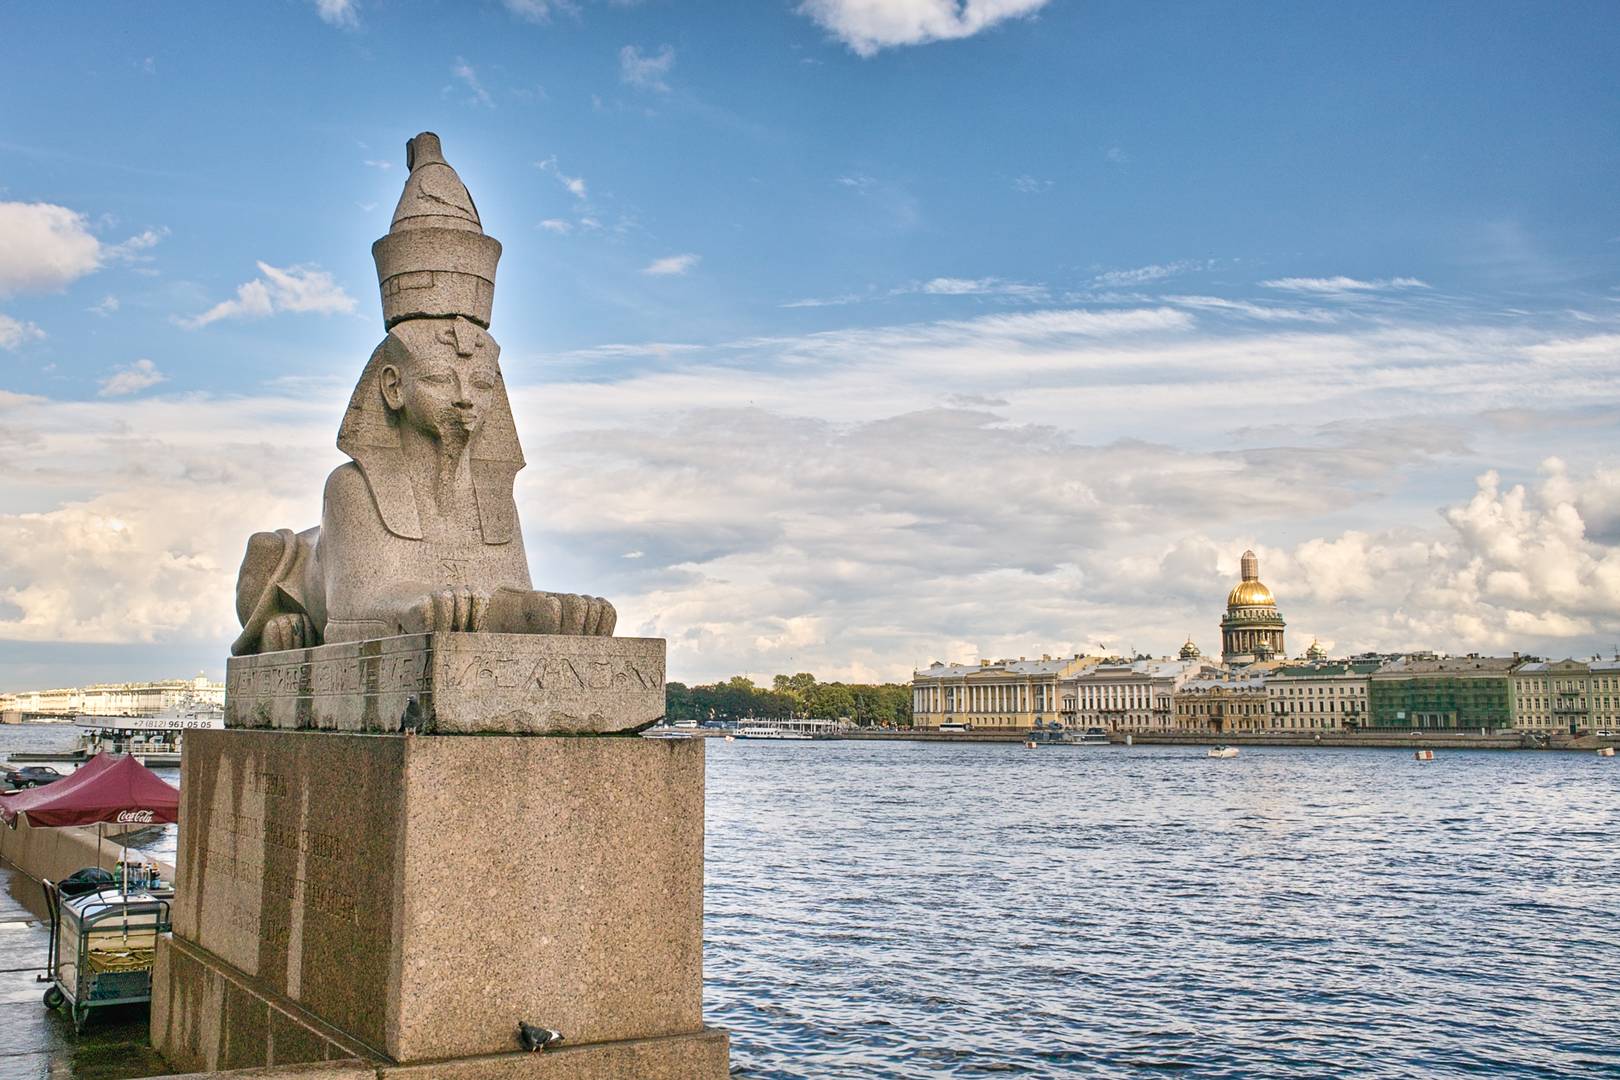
{"x": 409, "y": 898}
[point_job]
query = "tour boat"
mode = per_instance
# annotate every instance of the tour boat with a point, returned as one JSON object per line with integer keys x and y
{"x": 665, "y": 733}
{"x": 1222, "y": 751}
{"x": 1090, "y": 737}
{"x": 155, "y": 741}
{"x": 1424, "y": 755}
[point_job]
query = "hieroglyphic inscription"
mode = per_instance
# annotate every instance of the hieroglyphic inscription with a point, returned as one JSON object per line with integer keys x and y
{"x": 330, "y": 676}
{"x": 503, "y": 672}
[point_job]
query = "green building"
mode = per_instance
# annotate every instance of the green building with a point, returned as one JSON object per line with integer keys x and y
{"x": 1453, "y": 692}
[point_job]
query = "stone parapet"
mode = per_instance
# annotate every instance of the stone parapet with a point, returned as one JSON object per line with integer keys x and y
{"x": 453, "y": 684}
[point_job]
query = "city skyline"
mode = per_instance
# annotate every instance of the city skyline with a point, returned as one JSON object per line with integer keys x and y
{"x": 979, "y": 332}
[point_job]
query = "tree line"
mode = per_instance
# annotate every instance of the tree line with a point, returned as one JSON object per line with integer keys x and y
{"x": 738, "y": 698}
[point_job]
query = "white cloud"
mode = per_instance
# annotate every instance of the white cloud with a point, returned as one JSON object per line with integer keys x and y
{"x": 15, "y": 333}
{"x": 382, "y": 164}
{"x": 1029, "y": 185}
{"x": 1063, "y": 477}
{"x": 105, "y": 306}
{"x": 1246, "y": 309}
{"x": 868, "y": 26}
{"x": 1341, "y": 286}
{"x": 540, "y": 11}
{"x": 469, "y": 78}
{"x": 133, "y": 378}
{"x": 671, "y": 265}
{"x": 1116, "y": 155}
{"x": 44, "y": 247}
{"x": 1141, "y": 275}
{"x": 575, "y": 184}
{"x": 296, "y": 289}
{"x": 557, "y": 225}
{"x": 343, "y": 13}
{"x": 646, "y": 71}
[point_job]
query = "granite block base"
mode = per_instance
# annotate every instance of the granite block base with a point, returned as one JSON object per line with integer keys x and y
{"x": 529, "y": 684}
{"x": 419, "y": 895}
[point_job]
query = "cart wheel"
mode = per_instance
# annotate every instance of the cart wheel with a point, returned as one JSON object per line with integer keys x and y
{"x": 81, "y": 1017}
{"x": 54, "y": 997}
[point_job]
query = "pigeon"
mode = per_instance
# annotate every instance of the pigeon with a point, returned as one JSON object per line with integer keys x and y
{"x": 535, "y": 1039}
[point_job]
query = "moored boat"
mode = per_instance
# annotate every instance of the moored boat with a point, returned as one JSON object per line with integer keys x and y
{"x": 1424, "y": 755}
{"x": 156, "y": 741}
{"x": 1222, "y": 751}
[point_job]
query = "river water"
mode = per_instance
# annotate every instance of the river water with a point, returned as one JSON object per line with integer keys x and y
{"x": 912, "y": 910}
{"x": 905, "y": 910}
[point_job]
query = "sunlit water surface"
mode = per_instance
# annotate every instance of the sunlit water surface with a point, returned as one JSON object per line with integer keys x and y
{"x": 907, "y": 910}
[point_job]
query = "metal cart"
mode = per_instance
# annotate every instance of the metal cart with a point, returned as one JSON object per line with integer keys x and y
{"x": 102, "y": 946}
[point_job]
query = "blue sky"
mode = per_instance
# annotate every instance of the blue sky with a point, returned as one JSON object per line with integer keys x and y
{"x": 845, "y": 336}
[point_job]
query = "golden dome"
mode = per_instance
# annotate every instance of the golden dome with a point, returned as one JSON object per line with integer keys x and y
{"x": 1250, "y": 594}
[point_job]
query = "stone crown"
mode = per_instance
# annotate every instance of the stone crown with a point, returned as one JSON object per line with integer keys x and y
{"x": 435, "y": 261}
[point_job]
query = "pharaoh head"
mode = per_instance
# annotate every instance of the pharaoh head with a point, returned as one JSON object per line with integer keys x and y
{"x": 437, "y": 373}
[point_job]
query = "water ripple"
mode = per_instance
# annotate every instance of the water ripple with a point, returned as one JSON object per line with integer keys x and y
{"x": 902, "y": 910}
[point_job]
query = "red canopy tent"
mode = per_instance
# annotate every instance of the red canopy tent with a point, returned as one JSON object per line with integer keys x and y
{"x": 114, "y": 790}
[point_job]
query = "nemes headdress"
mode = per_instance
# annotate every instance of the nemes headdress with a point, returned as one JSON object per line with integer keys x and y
{"x": 437, "y": 266}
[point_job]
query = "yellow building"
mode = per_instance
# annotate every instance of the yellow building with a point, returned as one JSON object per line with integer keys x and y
{"x": 1222, "y": 705}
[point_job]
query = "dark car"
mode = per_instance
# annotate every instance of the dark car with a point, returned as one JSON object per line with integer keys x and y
{"x": 33, "y": 776}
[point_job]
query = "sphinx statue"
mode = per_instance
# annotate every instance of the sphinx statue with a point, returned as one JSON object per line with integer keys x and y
{"x": 419, "y": 532}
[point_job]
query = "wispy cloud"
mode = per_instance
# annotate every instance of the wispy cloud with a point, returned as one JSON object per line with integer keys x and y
{"x": 379, "y": 163}
{"x": 341, "y": 13}
{"x": 557, "y": 225}
{"x": 295, "y": 289}
{"x": 1116, "y": 155}
{"x": 575, "y": 184}
{"x": 469, "y": 78}
{"x": 1246, "y": 309}
{"x": 671, "y": 265}
{"x": 15, "y": 333}
{"x": 1141, "y": 275}
{"x": 1342, "y": 286}
{"x": 646, "y": 71}
{"x": 1030, "y": 185}
{"x": 540, "y": 11}
{"x": 105, "y": 306}
{"x": 869, "y": 26}
{"x": 132, "y": 379}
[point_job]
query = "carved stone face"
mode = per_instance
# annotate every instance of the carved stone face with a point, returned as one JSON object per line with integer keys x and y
{"x": 441, "y": 377}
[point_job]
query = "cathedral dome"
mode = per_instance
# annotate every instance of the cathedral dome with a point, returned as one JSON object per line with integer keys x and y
{"x": 1250, "y": 594}
{"x": 1251, "y": 591}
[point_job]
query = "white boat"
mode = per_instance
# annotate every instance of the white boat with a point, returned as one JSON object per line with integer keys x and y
{"x": 1607, "y": 751}
{"x": 1222, "y": 751}
{"x": 769, "y": 731}
{"x": 1424, "y": 755}
{"x": 1090, "y": 737}
{"x": 155, "y": 741}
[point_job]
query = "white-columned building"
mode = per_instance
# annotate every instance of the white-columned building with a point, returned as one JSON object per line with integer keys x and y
{"x": 1006, "y": 694}
{"x": 1131, "y": 695}
{"x": 114, "y": 699}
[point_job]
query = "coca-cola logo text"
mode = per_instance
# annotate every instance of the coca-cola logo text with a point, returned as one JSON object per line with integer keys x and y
{"x": 135, "y": 817}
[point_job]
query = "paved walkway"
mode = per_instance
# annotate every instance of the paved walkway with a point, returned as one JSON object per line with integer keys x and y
{"x": 37, "y": 1043}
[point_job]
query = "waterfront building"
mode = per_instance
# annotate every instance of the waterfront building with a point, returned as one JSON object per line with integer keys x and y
{"x": 1566, "y": 695}
{"x": 1319, "y": 695}
{"x": 1130, "y": 695}
{"x": 1252, "y": 628}
{"x": 1452, "y": 692}
{"x": 1223, "y": 704}
{"x": 114, "y": 699}
{"x": 993, "y": 694}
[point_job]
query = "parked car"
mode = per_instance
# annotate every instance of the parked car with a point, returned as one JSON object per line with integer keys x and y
{"x": 33, "y": 776}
